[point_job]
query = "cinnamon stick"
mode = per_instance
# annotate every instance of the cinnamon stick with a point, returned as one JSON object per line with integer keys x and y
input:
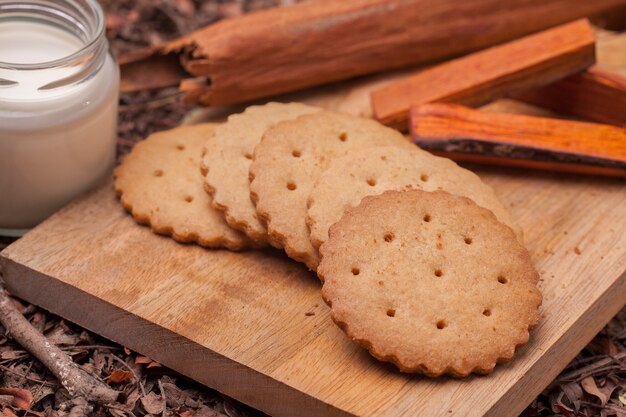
{"x": 594, "y": 94}
{"x": 476, "y": 79}
{"x": 317, "y": 42}
{"x": 511, "y": 140}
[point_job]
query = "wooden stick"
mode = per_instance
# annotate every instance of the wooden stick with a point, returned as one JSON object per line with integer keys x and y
{"x": 78, "y": 382}
{"x": 594, "y": 94}
{"x": 317, "y": 42}
{"x": 479, "y": 78}
{"x": 465, "y": 134}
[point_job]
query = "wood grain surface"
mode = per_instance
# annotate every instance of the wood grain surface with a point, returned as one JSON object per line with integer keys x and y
{"x": 476, "y": 79}
{"x": 239, "y": 323}
{"x": 242, "y": 323}
{"x": 315, "y": 42}
{"x": 518, "y": 140}
{"x": 594, "y": 94}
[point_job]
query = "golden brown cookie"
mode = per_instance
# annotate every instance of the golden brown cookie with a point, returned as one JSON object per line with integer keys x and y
{"x": 430, "y": 282}
{"x": 160, "y": 184}
{"x": 288, "y": 161}
{"x": 227, "y": 160}
{"x": 371, "y": 171}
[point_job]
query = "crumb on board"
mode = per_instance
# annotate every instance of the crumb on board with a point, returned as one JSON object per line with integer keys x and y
{"x": 577, "y": 250}
{"x": 309, "y": 313}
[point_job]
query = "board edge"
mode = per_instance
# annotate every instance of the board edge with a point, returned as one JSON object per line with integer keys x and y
{"x": 284, "y": 400}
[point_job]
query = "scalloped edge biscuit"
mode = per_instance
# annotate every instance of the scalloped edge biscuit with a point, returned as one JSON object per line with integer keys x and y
{"x": 430, "y": 282}
{"x": 371, "y": 171}
{"x": 289, "y": 159}
{"x": 227, "y": 158}
{"x": 159, "y": 183}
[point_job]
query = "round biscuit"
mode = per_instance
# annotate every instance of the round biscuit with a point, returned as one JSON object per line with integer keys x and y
{"x": 160, "y": 184}
{"x": 371, "y": 171}
{"x": 288, "y": 161}
{"x": 430, "y": 282}
{"x": 227, "y": 159}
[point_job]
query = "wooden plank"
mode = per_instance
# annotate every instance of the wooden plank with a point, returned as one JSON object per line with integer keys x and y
{"x": 476, "y": 79}
{"x": 594, "y": 94}
{"x": 461, "y": 133}
{"x": 237, "y": 322}
{"x": 211, "y": 306}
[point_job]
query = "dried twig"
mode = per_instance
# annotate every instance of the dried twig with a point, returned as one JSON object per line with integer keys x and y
{"x": 163, "y": 398}
{"x": 594, "y": 367}
{"x": 619, "y": 410}
{"x": 35, "y": 380}
{"x": 87, "y": 347}
{"x": 77, "y": 381}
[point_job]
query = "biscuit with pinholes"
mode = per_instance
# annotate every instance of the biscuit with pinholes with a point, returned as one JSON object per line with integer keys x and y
{"x": 371, "y": 171}
{"x": 160, "y": 184}
{"x": 288, "y": 161}
{"x": 429, "y": 281}
{"x": 227, "y": 159}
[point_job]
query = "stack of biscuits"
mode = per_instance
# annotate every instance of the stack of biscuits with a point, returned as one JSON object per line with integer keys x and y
{"x": 421, "y": 263}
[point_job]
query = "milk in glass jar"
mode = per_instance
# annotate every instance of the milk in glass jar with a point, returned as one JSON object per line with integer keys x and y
{"x": 58, "y": 107}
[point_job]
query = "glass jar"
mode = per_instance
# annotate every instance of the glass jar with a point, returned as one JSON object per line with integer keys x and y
{"x": 58, "y": 107}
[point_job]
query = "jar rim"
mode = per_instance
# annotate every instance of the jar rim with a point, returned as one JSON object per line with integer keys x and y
{"x": 92, "y": 42}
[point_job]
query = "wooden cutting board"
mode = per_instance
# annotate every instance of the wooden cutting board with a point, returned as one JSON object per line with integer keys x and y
{"x": 253, "y": 325}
